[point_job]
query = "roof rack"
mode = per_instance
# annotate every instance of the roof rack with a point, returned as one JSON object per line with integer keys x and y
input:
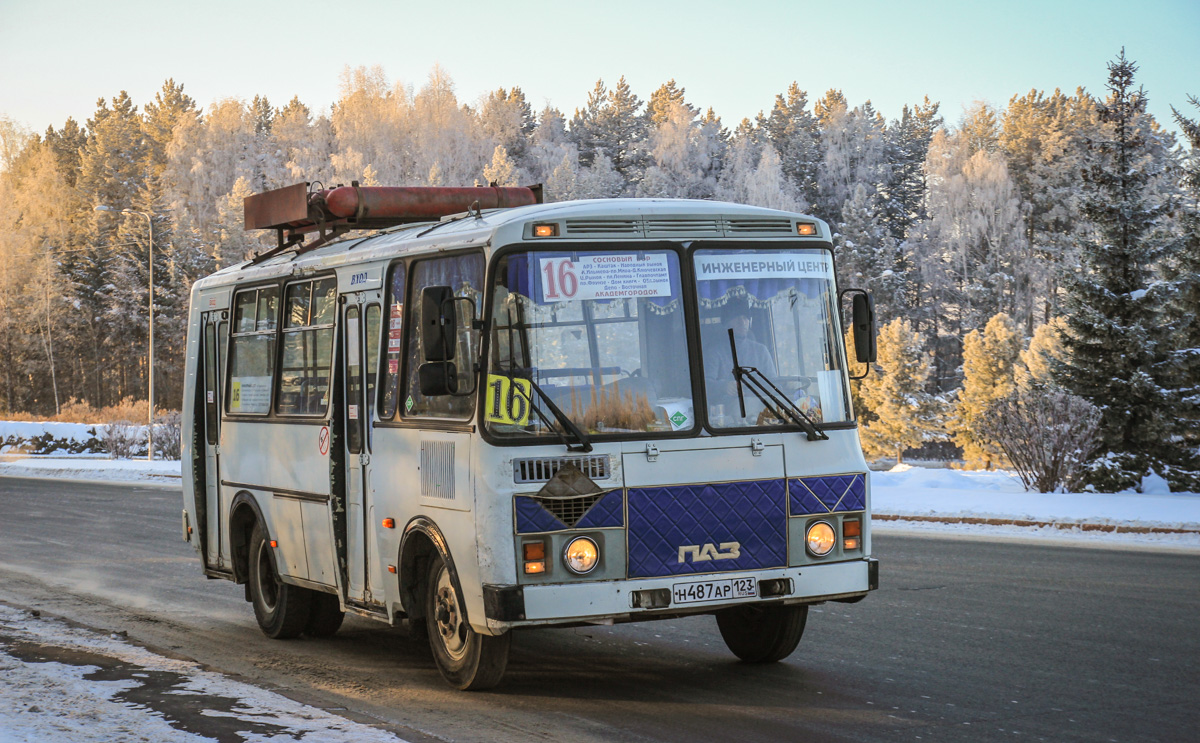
{"x": 296, "y": 211}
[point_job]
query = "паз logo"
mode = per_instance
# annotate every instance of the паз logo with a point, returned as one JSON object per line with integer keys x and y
{"x": 728, "y": 551}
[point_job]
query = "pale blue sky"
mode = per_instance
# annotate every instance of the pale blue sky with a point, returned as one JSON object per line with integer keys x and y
{"x": 59, "y": 56}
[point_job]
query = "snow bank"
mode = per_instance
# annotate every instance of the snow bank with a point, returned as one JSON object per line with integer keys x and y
{"x": 913, "y": 491}
{"x": 86, "y": 467}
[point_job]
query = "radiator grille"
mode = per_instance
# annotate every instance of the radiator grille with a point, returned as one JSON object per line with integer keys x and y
{"x": 543, "y": 468}
{"x": 570, "y": 510}
{"x": 437, "y": 469}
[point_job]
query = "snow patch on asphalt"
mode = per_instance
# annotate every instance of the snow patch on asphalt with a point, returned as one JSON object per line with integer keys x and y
{"x": 54, "y": 701}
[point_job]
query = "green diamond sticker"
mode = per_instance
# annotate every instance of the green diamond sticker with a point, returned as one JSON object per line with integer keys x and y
{"x": 679, "y": 419}
{"x": 408, "y": 404}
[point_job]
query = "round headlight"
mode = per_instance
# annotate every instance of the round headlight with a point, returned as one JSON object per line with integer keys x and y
{"x": 581, "y": 555}
{"x": 820, "y": 539}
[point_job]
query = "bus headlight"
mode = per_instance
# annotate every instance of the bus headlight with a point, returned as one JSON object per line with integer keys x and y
{"x": 820, "y": 539}
{"x": 581, "y": 555}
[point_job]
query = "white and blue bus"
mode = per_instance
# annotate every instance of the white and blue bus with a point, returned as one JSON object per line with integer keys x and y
{"x": 542, "y": 415}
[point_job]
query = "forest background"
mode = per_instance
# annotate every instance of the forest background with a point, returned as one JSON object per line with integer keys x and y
{"x": 983, "y": 240}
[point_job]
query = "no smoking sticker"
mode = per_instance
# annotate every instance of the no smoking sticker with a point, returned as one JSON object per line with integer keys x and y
{"x": 323, "y": 440}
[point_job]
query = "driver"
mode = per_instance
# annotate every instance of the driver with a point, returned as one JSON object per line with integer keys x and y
{"x": 736, "y": 315}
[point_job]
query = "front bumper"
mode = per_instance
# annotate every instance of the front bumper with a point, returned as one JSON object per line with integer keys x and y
{"x": 602, "y": 601}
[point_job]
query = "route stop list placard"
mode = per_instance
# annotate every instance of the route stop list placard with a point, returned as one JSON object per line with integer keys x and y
{"x": 611, "y": 276}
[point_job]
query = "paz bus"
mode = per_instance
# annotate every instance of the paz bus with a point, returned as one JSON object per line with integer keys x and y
{"x": 470, "y": 411}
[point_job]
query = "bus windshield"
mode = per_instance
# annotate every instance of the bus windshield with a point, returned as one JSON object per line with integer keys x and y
{"x": 601, "y": 333}
{"x": 782, "y": 308}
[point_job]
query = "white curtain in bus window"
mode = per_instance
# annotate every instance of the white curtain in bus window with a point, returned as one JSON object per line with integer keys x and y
{"x": 310, "y": 308}
{"x": 252, "y": 356}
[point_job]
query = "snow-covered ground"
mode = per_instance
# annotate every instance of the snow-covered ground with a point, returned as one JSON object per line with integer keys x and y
{"x": 65, "y": 683}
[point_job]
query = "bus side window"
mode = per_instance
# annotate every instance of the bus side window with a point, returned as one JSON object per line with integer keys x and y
{"x": 395, "y": 336}
{"x": 310, "y": 309}
{"x": 373, "y": 329}
{"x": 252, "y": 351}
{"x": 464, "y": 275}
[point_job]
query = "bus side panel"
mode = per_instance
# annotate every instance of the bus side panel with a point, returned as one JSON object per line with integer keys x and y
{"x": 291, "y": 461}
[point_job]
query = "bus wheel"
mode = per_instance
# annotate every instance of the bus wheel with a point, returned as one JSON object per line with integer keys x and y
{"x": 467, "y": 659}
{"x": 281, "y": 610}
{"x": 762, "y": 634}
{"x": 325, "y": 615}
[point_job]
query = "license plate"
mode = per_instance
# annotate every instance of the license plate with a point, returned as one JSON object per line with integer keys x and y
{"x": 714, "y": 590}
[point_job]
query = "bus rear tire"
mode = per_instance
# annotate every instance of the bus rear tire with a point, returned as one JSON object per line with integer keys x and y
{"x": 325, "y": 615}
{"x": 762, "y": 634}
{"x": 282, "y": 610}
{"x": 466, "y": 659}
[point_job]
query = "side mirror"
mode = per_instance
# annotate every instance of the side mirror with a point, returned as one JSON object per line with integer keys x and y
{"x": 863, "y": 321}
{"x": 437, "y": 323}
{"x": 438, "y": 378}
{"x": 448, "y": 329}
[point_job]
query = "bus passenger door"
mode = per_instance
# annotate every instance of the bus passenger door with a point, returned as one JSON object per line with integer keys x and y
{"x": 214, "y": 330}
{"x": 360, "y": 356}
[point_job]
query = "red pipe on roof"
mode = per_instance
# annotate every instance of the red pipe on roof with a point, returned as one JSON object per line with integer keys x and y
{"x": 418, "y": 203}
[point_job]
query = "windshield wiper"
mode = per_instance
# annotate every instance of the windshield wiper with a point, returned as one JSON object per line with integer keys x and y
{"x": 770, "y": 396}
{"x": 584, "y": 446}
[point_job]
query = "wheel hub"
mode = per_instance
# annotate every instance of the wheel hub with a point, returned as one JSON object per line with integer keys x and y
{"x": 448, "y": 618}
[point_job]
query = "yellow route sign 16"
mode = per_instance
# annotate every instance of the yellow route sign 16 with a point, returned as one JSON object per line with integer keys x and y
{"x": 508, "y": 399}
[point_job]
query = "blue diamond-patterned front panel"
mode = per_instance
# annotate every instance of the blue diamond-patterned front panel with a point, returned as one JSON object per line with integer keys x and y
{"x": 816, "y": 495}
{"x": 533, "y": 518}
{"x": 609, "y": 511}
{"x": 663, "y": 519}
{"x": 855, "y": 498}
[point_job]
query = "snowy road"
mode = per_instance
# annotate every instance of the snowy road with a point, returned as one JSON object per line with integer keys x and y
{"x": 965, "y": 640}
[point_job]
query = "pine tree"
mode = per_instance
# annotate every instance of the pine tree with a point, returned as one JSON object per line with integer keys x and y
{"x": 662, "y": 101}
{"x": 792, "y": 131}
{"x": 1034, "y": 369}
{"x": 906, "y": 146}
{"x": 988, "y": 360}
{"x": 906, "y": 415}
{"x": 1113, "y": 339}
{"x": 508, "y": 119}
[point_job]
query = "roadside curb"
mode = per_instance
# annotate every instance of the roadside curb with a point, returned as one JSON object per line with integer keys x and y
{"x": 1064, "y": 525}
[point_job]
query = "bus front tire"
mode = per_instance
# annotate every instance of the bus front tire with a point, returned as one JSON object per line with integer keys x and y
{"x": 466, "y": 659}
{"x": 325, "y": 615}
{"x": 762, "y": 634}
{"x": 282, "y": 610}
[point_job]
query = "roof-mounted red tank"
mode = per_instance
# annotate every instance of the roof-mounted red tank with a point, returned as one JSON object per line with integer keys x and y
{"x": 294, "y": 211}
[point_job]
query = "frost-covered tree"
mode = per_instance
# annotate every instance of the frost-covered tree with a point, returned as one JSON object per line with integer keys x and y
{"x": 988, "y": 361}
{"x": 682, "y": 155}
{"x": 870, "y": 258}
{"x": 1035, "y": 364}
{"x": 612, "y": 124}
{"x": 852, "y": 145}
{"x": 905, "y": 414}
{"x": 501, "y": 171}
{"x": 792, "y": 130}
{"x": 754, "y": 175}
{"x": 508, "y": 119}
{"x": 1113, "y": 340}
{"x": 906, "y": 146}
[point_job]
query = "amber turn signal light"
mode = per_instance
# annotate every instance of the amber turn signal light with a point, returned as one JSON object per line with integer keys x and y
{"x": 534, "y": 554}
{"x": 545, "y": 230}
{"x": 808, "y": 230}
{"x": 389, "y": 523}
{"x": 851, "y": 528}
{"x": 274, "y": 543}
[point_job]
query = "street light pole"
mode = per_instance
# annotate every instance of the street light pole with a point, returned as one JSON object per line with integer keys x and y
{"x": 150, "y": 360}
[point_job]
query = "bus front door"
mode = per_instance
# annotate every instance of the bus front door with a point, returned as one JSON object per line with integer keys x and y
{"x": 216, "y": 332}
{"x": 360, "y": 357}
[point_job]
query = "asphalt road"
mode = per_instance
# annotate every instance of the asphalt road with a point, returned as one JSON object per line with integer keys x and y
{"x": 966, "y": 639}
